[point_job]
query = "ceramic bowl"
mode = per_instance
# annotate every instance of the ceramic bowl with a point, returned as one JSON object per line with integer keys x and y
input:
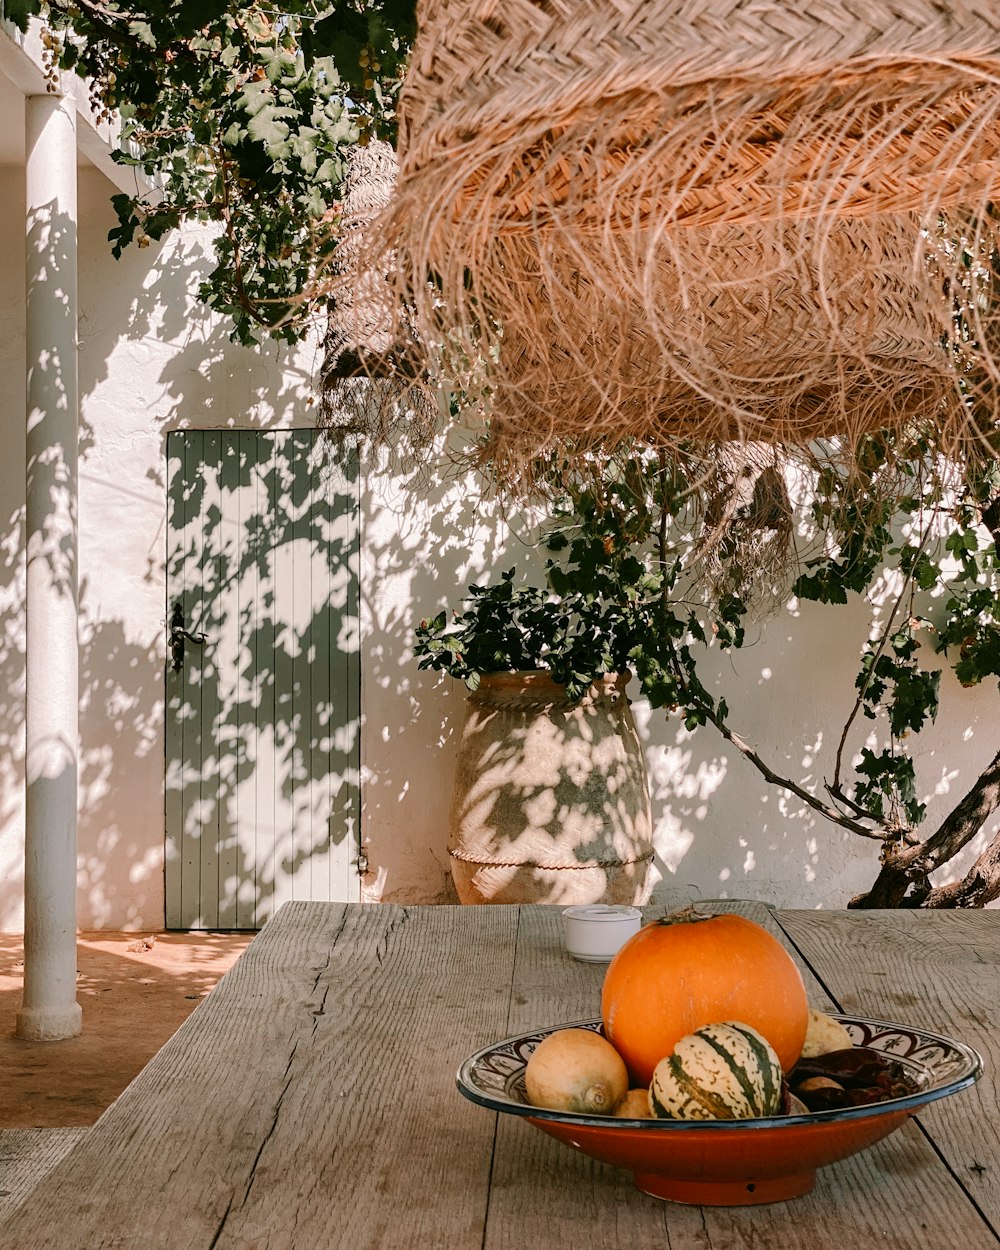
{"x": 730, "y": 1162}
{"x": 596, "y": 932}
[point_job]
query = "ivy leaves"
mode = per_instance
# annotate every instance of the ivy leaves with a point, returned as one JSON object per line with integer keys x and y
{"x": 607, "y": 605}
{"x": 891, "y": 680}
{"x": 244, "y": 115}
{"x": 971, "y": 628}
{"x": 937, "y": 544}
{"x": 860, "y": 521}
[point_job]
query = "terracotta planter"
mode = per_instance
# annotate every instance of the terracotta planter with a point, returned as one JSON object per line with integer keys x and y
{"x": 551, "y": 802}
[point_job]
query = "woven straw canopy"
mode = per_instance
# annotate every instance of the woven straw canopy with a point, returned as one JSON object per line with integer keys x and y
{"x": 722, "y": 219}
{"x": 368, "y": 387}
{"x": 361, "y": 317}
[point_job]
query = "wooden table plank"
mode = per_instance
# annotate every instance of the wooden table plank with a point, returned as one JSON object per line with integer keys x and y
{"x": 934, "y": 970}
{"x": 394, "y": 1162}
{"x": 895, "y": 1195}
{"x": 544, "y": 1193}
{"x": 219, "y": 1143}
{"x": 309, "y": 1103}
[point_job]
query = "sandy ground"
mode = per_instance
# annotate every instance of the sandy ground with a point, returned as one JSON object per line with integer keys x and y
{"x": 134, "y": 995}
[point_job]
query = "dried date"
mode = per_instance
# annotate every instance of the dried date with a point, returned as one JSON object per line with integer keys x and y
{"x": 854, "y": 1077}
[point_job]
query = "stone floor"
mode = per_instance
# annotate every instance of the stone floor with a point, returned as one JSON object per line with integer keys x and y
{"x": 135, "y": 991}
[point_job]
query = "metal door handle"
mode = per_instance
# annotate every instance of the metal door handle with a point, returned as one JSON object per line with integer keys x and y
{"x": 179, "y": 635}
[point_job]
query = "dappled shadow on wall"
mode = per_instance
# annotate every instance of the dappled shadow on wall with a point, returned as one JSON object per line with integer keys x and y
{"x": 121, "y": 707}
{"x": 120, "y": 685}
{"x": 178, "y": 351}
{"x": 429, "y": 533}
{"x": 183, "y": 362}
{"x": 555, "y": 786}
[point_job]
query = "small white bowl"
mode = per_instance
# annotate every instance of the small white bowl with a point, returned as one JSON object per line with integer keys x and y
{"x": 595, "y": 932}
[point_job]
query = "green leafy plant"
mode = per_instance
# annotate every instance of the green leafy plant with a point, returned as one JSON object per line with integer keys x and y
{"x": 508, "y": 628}
{"x": 582, "y": 625}
{"x": 621, "y": 575}
{"x": 243, "y": 114}
{"x": 605, "y": 607}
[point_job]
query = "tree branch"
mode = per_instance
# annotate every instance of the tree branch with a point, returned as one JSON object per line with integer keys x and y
{"x": 979, "y": 886}
{"x": 831, "y": 813}
{"x": 835, "y": 791}
{"x": 113, "y": 24}
{"x": 97, "y": 12}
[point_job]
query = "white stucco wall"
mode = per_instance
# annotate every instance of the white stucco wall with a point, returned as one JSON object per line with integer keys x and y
{"x": 151, "y": 360}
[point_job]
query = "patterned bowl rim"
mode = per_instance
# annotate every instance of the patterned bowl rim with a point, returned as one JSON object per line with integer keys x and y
{"x": 964, "y": 1066}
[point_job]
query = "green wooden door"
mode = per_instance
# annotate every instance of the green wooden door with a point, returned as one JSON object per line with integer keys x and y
{"x": 262, "y": 731}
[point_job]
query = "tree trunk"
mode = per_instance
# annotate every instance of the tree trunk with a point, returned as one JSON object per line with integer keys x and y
{"x": 979, "y": 886}
{"x": 908, "y": 868}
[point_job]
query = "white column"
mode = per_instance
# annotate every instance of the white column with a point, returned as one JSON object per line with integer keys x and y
{"x": 49, "y": 1009}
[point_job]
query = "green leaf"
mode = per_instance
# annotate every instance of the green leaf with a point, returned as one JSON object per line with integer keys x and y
{"x": 20, "y": 11}
{"x": 143, "y": 32}
{"x": 917, "y": 564}
{"x": 824, "y": 586}
{"x": 887, "y": 781}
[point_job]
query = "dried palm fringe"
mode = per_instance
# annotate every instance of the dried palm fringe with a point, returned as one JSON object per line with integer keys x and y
{"x": 746, "y": 544}
{"x": 370, "y": 392}
{"x": 644, "y": 219}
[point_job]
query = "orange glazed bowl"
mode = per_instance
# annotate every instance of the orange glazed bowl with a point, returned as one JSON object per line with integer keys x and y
{"x": 730, "y": 1162}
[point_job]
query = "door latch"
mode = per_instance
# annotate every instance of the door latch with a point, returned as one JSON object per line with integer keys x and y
{"x": 179, "y": 636}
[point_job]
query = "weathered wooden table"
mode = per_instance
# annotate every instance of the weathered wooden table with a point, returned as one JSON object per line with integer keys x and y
{"x": 309, "y": 1103}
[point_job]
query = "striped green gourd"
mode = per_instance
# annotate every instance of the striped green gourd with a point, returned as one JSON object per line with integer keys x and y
{"x": 724, "y": 1071}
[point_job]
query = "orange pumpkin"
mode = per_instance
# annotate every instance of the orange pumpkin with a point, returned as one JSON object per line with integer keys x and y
{"x": 685, "y": 971}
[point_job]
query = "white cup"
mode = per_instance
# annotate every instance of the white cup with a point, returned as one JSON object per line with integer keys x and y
{"x": 595, "y": 932}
